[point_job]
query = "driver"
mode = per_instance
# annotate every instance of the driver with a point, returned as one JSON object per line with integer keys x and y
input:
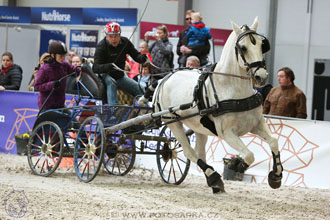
{"x": 113, "y": 49}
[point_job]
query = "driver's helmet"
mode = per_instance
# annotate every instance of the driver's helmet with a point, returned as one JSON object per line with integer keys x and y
{"x": 112, "y": 28}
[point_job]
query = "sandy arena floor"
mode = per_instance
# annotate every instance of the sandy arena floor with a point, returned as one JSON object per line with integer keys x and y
{"x": 142, "y": 195}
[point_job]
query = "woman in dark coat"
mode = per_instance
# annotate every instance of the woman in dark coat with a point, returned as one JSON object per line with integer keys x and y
{"x": 11, "y": 74}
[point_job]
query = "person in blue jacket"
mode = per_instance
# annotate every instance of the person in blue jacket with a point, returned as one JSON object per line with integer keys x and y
{"x": 198, "y": 32}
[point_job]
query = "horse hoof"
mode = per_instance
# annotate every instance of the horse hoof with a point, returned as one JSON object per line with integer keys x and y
{"x": 215, "y": 182}
{"x": 274, "y": 180}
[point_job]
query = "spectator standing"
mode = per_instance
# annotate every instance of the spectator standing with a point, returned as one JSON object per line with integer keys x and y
{"x": 183, "y": 51}
{"x": 43, "y": 58}
{"x": 113, "y": 49}
{"x": 193, "y": 62}
{"x": 11, "y": 74}
{"x": 161, "y": 51}
{"x": 49, "y": 75}
{"x": 287, "y": 99}
{"x": 70, "y": 55}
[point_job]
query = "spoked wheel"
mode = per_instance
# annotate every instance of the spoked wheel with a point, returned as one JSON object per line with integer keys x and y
{"x": 89, "y": 149}
{"x": 45, "y": 148}
{"x": 172, "y": 165}
{"x": 119, "y": 156}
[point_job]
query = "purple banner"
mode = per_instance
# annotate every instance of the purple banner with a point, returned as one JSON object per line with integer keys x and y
{"x": 17, "y": 115}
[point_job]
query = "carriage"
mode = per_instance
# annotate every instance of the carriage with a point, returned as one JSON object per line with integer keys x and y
{"x": 80, "y": 132}
{"x": 219, "y": 102}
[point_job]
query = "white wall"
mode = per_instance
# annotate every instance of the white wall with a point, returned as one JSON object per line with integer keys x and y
{"x": 300, "y": 39}
{"x": 220, "y": 13}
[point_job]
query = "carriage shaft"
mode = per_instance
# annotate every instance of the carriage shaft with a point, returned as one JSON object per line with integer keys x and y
{"x": 139, "y": 119}
{"x": 142, "y": 137}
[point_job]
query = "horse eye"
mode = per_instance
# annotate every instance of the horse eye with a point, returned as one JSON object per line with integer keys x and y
{"x": 244, "y": 49}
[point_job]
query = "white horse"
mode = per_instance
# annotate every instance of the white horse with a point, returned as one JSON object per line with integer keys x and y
{"x": 241, "y": 65}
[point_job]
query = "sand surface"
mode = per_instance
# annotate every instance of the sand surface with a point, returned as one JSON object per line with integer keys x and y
{"x": 142, "y": 195}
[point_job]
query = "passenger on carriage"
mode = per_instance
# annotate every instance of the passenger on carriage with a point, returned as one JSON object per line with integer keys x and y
{"x": 48, "y": 79}
{"x": 184, "y": 51}
{"x": 112, "y": 50}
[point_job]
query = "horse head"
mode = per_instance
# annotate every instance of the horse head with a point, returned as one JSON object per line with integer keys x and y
{"x": 249, "y": 49}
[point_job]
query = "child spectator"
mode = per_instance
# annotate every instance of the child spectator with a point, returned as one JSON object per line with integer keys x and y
{"x": 143, "y": 78}
{"x": 197, "y": 33}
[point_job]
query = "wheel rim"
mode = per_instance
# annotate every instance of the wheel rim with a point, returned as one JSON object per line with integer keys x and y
{"x": 89, "y": 150}
{"x": 45, "y": 148}
{"x": 172, "y": 165}
{"x": 119, "y": 157}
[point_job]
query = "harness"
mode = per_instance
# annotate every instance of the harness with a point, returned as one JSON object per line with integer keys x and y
{"x": 221, "y": 107}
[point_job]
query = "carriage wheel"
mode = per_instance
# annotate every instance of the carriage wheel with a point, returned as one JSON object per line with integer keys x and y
{"x": 172, "y": 165}
{"x": 119, "y": 157}
{"x": 45, "y": 148}
{"x": 89, "y": 149}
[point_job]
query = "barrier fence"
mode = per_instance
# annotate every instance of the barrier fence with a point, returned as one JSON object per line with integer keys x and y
{"x": 304, "y": 144}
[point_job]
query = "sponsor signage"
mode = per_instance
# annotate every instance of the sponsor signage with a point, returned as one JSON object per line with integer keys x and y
{"x": 219, "y": 35}
{"x": 102, "y": 16}
{"x": 15, "y": 14}
{"x": 75, "y": 16}
{"x": 83, "y": 42}
{"x": 56, "y": 15}
{"x": 47, "y": 36}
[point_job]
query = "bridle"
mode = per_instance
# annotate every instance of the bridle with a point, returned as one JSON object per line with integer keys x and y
{"x": 265, "y": 46}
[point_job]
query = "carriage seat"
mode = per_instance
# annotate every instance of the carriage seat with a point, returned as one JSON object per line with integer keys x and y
{"x": 125, "y": 98}
{"x": 91, "y": 82}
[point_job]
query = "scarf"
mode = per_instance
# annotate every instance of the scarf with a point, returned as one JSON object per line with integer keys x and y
{"x": 4, "y": 70}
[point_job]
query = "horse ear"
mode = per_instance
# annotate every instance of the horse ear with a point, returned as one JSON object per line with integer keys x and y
{"x": 237, "y": 30}
{"x": 254, "y": 26}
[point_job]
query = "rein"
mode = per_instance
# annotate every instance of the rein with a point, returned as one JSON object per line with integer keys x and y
{"x": 232, "y": 75}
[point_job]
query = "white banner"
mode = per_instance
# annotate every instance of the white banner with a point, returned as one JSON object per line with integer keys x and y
{"x": 304, "y": 147}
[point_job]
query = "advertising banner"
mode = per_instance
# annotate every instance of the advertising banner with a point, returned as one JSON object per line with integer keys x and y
{"x": 102, "y": 16}
{"x": 303, "y": 144}
{"x": 56, "y": 15}
{"x": 219, "y": 35}
{"x": 73, "y": 16}
{"x": 18, "y": 115}
{"x": 83, "y": 42}
{"x": 47, "y": 36}
{"x": 15, "y": 15}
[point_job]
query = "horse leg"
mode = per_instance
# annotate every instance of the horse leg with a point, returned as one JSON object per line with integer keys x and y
{"x": 275, "y": 176}
{"x": 212, "y": 177}
{"x": 238, "y": 164}
{"x": 201, "y": 140}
